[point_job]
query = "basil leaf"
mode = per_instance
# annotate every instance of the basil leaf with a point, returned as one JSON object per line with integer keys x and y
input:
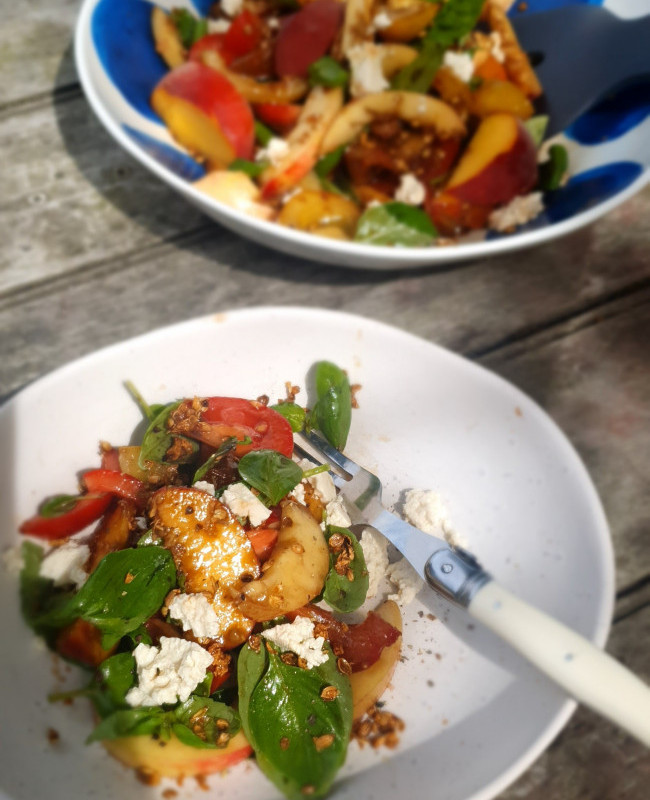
{"x": 395, "y": 224}
{"x": 204, "y": 719}
{"x": 552, "y": 171}
{"x": 158, "y": 439}
{"x": 327, "y": 71}
{"x": 225, "y": 447}
{"x": 263, "y": 135}
{"x": 38, "y": 593}
{"x": 293, "y": 413}
{"x": 116, "y": 675}
{"x": 148, "y": 411}
{"x": 536, "y": 127}
{"x": 346, "y": 585}
{"x": 455, "y": 19}
{"x": 332, "y": 412}
{"x": 328, "y": 162}
{"x": 190, "y": 29}
{"x": 292, "y": 745}
{"x": 251, "y": 168}
{"x": 270, "y": 472}
{"x": 145, "y": 721}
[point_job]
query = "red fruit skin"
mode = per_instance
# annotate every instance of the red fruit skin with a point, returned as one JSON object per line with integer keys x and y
{"x": 307, "y": 36}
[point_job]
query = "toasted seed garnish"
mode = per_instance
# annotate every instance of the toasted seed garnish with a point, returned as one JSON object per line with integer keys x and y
{"x": 284, "y": 743}
{"x": 329, "y": 693}
{"x": 323, "y": 742}
{"x": 343, "y": 666}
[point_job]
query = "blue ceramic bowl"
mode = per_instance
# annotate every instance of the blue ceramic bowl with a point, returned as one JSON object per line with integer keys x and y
{"x": 609, "y": 146}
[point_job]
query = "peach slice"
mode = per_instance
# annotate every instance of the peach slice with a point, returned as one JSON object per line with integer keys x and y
{"x": 154, "y": 758}
{"x": 234, "y": 189}
{"x": 206, "y": 114}
{"x": 321, "y": 107}
{"x": 166, "y": 39}
{"x": 494, "y": 97}
{"x": 369, "y": 684}
{"x": 408, "y": 22}
{"x": 417, "y": 109}
{"x": 499, "y": 163}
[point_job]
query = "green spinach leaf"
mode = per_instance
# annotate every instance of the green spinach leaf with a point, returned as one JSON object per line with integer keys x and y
{"x": 38, "y": 594}
{"x": 293, "y": 413}
{"x": 552, "y": 171}
{"x": 190, "y": 29}
{"x": 346, "y": 585}
{"x": 536, "y": 127}
{"x": 225, "y": 447}
{"x": 332, "y": 412}
{"x": 327, "y": 71}
{"x": 251, "y": 168}
{"x": 271, "y": 473}
{"x": 300, "y": 740}
{"x": 157, "y": 438}
{"x": 395, "y": 224}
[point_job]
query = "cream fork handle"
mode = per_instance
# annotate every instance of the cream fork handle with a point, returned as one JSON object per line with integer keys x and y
{"x": 586, "y": 672}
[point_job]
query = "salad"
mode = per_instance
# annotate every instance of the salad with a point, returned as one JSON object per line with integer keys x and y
{"x": 204, "y": 578}
{"x": 398, "y": 122}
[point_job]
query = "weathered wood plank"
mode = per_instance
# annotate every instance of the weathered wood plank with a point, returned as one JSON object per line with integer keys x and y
{"x": 36, "y": 48}
{"x": 591, "y": 759}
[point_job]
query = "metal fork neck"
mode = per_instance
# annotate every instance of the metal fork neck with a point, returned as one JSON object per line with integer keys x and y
{"x": 456, "y": 575}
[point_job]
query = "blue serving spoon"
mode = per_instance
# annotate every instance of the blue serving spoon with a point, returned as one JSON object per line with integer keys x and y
{"x": 580, "y": 53}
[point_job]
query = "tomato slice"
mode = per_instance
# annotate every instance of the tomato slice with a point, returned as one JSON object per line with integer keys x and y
{"x": 307, "y": 36}
{"x": 267, "y": 429}
{"x": 281, "y": 117}
{"x": 86, "y": 510}
{"x": 242, "y": 37}
{"x": 263, "y": 541}
{"x": 361, "y": 644}
{"x": 452, "y": 216}
{"x": 119, "y": 483}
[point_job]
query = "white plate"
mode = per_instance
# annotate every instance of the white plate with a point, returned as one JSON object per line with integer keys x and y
{"x": 476, "y": 715}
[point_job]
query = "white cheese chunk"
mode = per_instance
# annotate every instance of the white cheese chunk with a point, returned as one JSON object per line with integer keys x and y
{"x": 12, "y": 559}
{"x": 461, "y": 64}
{"x": 335, "y": 513}
{"x": 366, "y": 66}
{"x": 321, "y": 483}
{"x": 204, "y": 486}
{"x": 218, "y": 25}
{"x": 519, "y": 211}
{"x": 427, "y": 510}
{"x": 382, "y": 20}
{"x": 196, "y": 614}
{"x": 243, "y": 503}
{"x": 298, "y": 636}
{"x": 65, "y": 564}
{"x": 410, "y": 190}
{"x": 375, "y": 554}
{"x": 407, "y": 581}
{"x": 298, "y": 493}
{"x": 274, "y": 152}
{"x": 496, "y": 47}
{"x": 167, "y": 673}
{"x": 232, "y": 7}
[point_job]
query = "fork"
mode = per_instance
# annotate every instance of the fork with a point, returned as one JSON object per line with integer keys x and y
{"x": 587, "y": 673}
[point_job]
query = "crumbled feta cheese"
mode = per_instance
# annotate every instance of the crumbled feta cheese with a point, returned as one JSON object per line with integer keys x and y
{"x": 195, "y": 613}
{"x": 382, "y": 20}
{"x": 321, "y": 482}
{"x": 218, "y": 25}
{"x": 298, "y": 636}
{"x": 204, "y": 486}
{"x": 167, "y": 673}
{"x": 273, "y": 22}
{"x": 243, "y": 503}
{"x": 406, "y": 580}
{"x": 519, "y": 210}
{"x": 496, "y": 47}
{"x": 367, "y": 73}
{"x": 274, "y": 152}
{"x": 65, "y": 564}
{"x": 428, "y": 511}
{"x": 375, "y": 554}
{"x": 12, "y": 559}
{"x": 335, "y": 513}
{"x": 461, "y": 64}
{"x": 232, "y": 7}
{"x": 141, "y": 523}
{"x": 410, "y": 191}
{"x": 298, "y": 493}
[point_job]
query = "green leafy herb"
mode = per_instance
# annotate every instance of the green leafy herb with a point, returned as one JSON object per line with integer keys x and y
{"x": 57, "y": 505}
{"x": 271, "y": 473}
{"x": 455, "y": 19}
{"x": 127, "y": 587}
{"x": 315, "y": 470}
{"x": 395, "y": 224}
{"x": 157, "y": 438}
{"x": 346, "y": 585}
{"x": 263, "y": 135}
{"x": 148, "y": 539}
{"x": 328, "y": 162}
{"x": 536, "y": 127}
{"x": 305, "y": 742}
{"x": 225, "y": 447}
{"x": 327, "y": 71}
{"x": 148, "y": 411}
{"x": 293, "y": 413}
{"x": 332, "y": 412}
{"x": 190, "y": 29}
{"x": 251, "y": 168}
{"x": 38, "y": 593}
{"x": 552, "y": 171}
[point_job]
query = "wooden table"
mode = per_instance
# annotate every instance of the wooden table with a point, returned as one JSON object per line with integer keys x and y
{"x": 94, "y": 250}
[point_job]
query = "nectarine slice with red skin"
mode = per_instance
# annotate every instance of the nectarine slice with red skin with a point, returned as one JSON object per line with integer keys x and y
{"x": 206, "y": 114}
{"x": 173, "y": 759}
{"x": 499, "y": 163}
